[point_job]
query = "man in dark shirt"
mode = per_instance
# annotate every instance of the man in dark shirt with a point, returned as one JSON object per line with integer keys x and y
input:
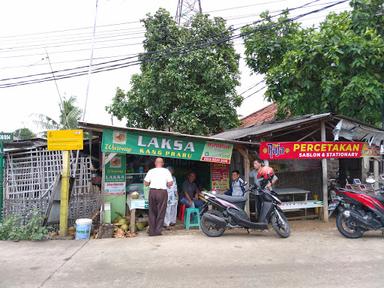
{"x": 191, "y": 192}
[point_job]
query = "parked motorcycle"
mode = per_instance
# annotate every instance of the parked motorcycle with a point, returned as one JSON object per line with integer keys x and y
{"x": 358, "y": 212}
{"x": 228, "y": 212}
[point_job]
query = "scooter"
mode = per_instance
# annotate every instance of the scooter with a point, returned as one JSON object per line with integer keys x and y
{"x": 228, "y": 212}
{"x": 358, "y": 212}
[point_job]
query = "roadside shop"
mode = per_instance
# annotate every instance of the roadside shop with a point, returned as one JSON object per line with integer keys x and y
{"x": 126, "y": 154}
{"x": 311, "y": 151}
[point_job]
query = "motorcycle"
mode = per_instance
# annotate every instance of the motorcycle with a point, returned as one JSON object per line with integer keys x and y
{"x": 358, "y": 212}
{"x": 228, "y": 212}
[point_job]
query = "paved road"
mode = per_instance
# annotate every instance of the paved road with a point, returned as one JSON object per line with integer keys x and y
{"x": 316, "y": 256}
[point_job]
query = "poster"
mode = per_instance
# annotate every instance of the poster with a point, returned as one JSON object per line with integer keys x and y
{"x": 309, "y": 150}
{"x": 220, "y": 177}
{"x": 115, "y": 179}
{"x": 142, "y": 143}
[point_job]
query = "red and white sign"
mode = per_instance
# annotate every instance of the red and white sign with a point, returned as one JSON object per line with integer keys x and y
{"x": 309, "y": 150}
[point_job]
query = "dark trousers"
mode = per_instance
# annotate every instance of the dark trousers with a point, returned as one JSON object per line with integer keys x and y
{"x": 158, "y": 199}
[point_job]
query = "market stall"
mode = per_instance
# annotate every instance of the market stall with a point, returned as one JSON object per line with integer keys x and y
{"x": 128, "y": 153}
{"x": 311, "y": 170}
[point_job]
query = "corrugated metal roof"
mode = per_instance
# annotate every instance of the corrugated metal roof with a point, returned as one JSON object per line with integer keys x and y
{"x": 24, "y": 145}
{"x": 100, "y": 127}
{"x": 261, "y": 129}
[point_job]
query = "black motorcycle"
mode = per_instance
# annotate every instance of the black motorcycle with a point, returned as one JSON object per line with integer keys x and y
{"x": 228, "y": 212}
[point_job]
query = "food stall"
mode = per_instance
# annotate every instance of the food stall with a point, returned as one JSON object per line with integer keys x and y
{"x": 128, "y": 153}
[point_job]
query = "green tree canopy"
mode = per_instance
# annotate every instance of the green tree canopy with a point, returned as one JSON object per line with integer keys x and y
{"x": 184, "y": 85}
{"x": 336, "y": 68}
{"x": 23, "y": 134}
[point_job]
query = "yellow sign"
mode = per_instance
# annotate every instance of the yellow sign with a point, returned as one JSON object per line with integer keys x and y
{"x": 65, "y": 140}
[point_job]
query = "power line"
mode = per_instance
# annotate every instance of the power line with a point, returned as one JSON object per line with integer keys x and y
{"x": 70, "y": 42}
{"x": 254, "y": 93}
{"x": 253, "y": 86}
{"x": 70, "y": 29}
{"x": 75, "y": 50}
{"x": 38, "y": 63}
{"x": 123, "y": 65}
{"x": 245, "y": 6}
{"x": 108, "y": 25}
{"x": 66, "y": 43}
{"x": 115, "y": 46}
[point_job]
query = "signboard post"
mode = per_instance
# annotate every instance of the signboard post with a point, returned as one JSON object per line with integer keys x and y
{"x": 4, "y": 137}
{"x": 65, "y": 140}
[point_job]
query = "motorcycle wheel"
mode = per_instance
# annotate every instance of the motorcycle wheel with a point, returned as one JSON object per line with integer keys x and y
{"x": 280, "y": 224}
{"x": 210, "y": 228}
{"x": 346, "y": 229}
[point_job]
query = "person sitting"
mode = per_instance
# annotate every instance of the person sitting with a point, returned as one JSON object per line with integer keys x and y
{"x": 237, "y": 188}
{"x": 191, "y": 192}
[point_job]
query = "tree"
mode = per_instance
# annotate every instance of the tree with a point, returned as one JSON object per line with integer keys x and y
{"x": 23, "y": 134}
{"x": 336, "y": 68}
{"x": 69, "y": 116}
{"x": 184, "y": 85}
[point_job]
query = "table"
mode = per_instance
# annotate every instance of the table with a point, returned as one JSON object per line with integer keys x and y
{"x": 293, "y": 192}
{"x": 286, "y": 206}
{"x": 297, "y": 205}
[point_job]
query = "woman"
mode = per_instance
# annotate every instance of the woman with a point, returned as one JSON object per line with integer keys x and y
{"x": 170, "y": 214}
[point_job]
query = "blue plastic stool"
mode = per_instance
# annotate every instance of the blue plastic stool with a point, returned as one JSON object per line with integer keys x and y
{"x": 194, "y": 214}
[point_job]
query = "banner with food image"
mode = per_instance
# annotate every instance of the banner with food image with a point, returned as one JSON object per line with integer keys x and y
{"x": 163, "y": 145}
{"x": 115, "y": 176}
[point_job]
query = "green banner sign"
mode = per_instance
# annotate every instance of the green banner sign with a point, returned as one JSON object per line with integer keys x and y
{"x": 115, "y": 176}
{"x": 118, "y": 141}
{"x": 6, "y": 137}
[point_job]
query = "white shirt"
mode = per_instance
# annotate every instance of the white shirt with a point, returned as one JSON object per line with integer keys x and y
{"x": 158, "y": 178}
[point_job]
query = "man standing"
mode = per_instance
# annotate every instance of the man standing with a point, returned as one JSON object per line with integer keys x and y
{"x": 263, "y": 176}
{"x": 158, "y": 179}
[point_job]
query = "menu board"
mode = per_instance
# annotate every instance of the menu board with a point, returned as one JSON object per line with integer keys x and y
{"x": 220, "y": 177}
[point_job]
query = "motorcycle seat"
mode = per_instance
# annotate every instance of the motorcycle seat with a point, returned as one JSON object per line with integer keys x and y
{"x": 233, "y": 199}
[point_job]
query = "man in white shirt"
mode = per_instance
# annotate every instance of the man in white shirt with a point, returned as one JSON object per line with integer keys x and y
{"x": 158, "y": 179}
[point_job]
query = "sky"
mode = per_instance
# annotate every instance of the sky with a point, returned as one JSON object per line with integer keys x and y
{"x": 34, "y": 33}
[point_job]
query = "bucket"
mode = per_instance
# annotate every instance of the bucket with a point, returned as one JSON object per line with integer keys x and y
{"x": 83, "y": 228}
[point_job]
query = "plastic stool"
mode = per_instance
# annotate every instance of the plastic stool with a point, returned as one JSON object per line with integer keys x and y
{"x": 194, "y": 214}
{"x": 181, "y": 212}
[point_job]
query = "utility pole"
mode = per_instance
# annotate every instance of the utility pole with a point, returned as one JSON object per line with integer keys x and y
{"x": 186, "y": 9}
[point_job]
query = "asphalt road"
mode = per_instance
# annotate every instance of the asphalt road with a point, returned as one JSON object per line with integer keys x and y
{"x": 314, "y": 256}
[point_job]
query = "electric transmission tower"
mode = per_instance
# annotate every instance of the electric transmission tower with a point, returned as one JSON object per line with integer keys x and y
{"x": 186, "y": 9}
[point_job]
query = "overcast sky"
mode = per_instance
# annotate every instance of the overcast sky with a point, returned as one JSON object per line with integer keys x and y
{"x": 26, "y": 34}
